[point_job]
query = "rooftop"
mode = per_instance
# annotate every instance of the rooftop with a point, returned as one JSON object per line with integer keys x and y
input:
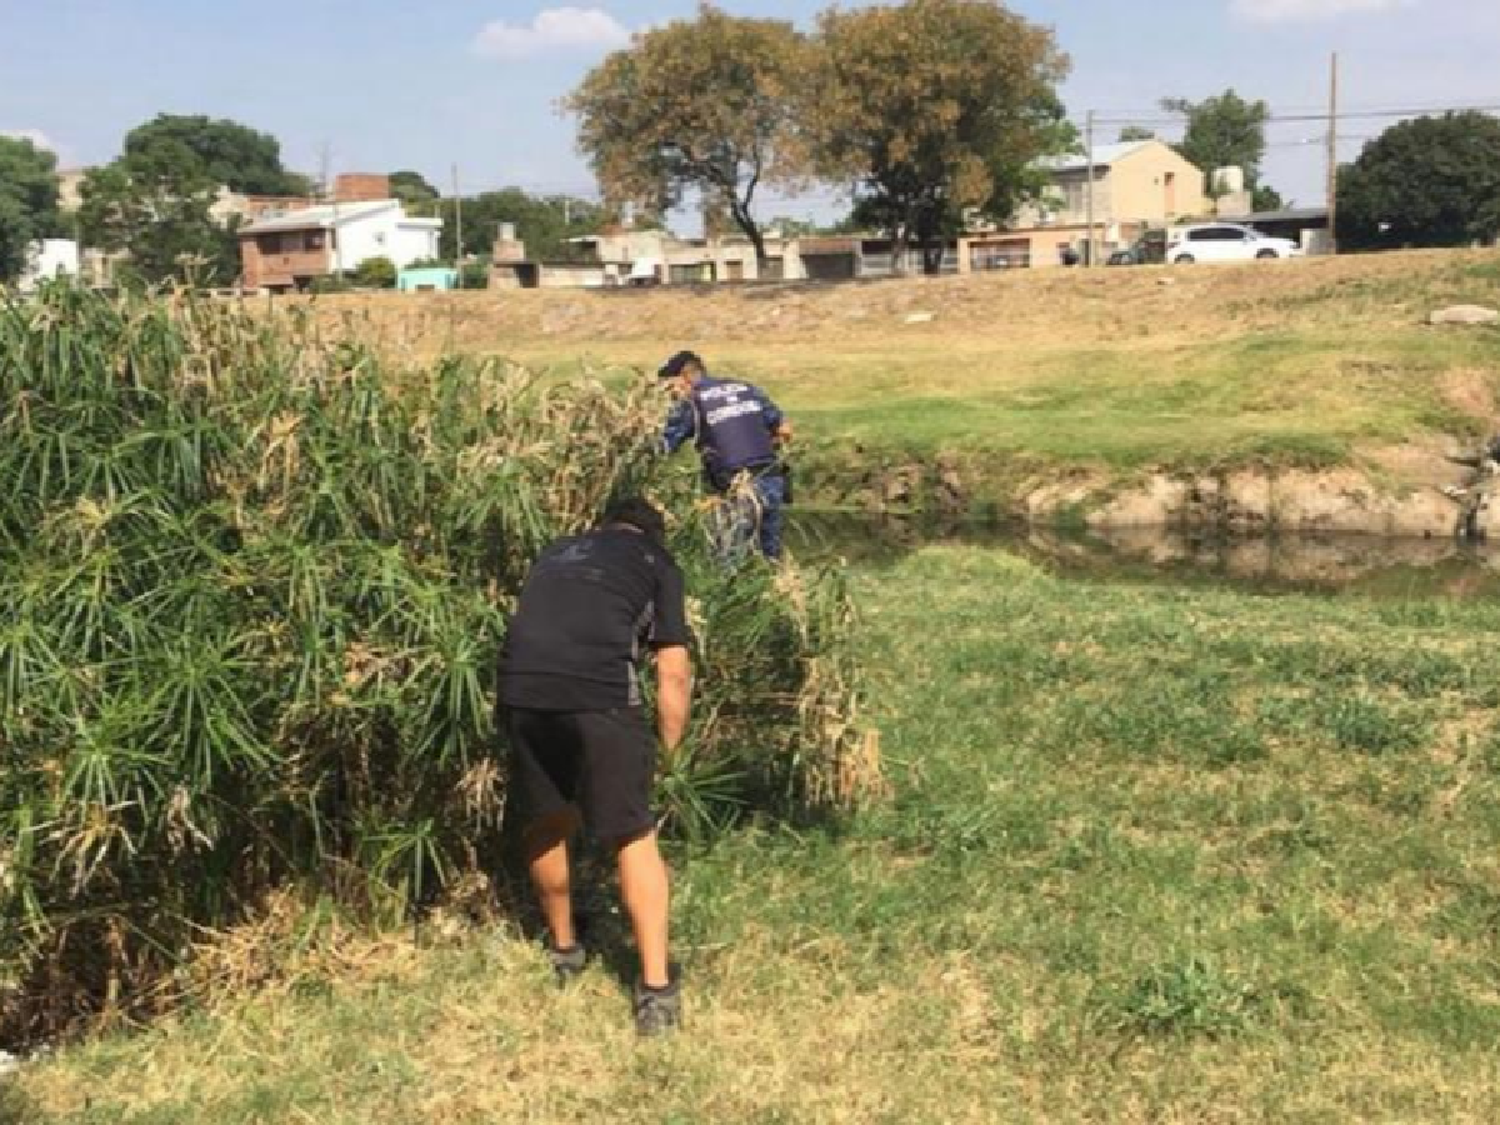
{"x": 1284, "y": 215}
{"x": 1104, "y": 156}
{"x": 325, "y": 217}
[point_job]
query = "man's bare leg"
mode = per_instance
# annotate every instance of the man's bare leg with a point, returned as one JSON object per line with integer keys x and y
{"x": 644, "y": 889}
{"x": 547, "y": 858}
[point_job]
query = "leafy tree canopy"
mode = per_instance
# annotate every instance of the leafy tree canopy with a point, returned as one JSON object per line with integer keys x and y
{"x": 1224, "y": 131}
{"x": 935, "y": 107}
{"x": 155, "y": 204}
{"x": 1432, "y": 181}
{"x": 544, "y": 223}
{"x": 28, "y": 202}
{"x": 707, "y": 106}
{"x": 231, "y": 154}
{"x": 412, "y": 188}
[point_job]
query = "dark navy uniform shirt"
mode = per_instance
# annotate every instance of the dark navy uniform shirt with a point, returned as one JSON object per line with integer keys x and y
{"x": 733, "y": 424}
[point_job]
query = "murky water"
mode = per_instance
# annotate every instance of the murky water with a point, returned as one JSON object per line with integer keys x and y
{"x": 1369, "y": 565}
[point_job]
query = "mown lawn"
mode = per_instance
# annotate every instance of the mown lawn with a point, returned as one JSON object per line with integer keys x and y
{"x": 1156, "y": 854}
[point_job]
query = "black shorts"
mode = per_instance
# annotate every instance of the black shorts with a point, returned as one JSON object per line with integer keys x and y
{"x": 603, "y": 762}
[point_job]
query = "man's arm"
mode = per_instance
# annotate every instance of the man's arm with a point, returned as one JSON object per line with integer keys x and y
{"x": 776, "y": 421}
{"x": 674, "y": 693}
{"x": 682, "y": 423}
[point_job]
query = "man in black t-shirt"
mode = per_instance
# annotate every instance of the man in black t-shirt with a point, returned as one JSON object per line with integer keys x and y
{"x": 579, "y": 740}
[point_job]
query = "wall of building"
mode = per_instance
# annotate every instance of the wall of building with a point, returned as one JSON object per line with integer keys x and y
{"x": 49, "y": 258}
{"x": 1038, "y": 247}
{"x": 572, "y": 277}
{"x": 386, "y": 235}
{"x": 1156, "y": 185}
{"x": 361, "y": 187}
{"x": 282, "y": 267}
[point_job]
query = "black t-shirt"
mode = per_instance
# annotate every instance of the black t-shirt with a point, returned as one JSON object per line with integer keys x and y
{"x": 590, "y": 605}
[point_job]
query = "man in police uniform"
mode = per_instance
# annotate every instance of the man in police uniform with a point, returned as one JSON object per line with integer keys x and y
{"x": 1475, "y": 497}
{"x": 579, "y": 739}
{"x": 738, "y": 430}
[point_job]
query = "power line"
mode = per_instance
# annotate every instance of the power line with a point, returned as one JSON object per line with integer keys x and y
{"x": 1293, "y": 118}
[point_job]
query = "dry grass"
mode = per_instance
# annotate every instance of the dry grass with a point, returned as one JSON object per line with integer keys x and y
{"x": 1061, "y": 309}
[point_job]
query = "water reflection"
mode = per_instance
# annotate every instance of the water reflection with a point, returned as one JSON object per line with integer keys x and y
{"x": 1364, "y": 564}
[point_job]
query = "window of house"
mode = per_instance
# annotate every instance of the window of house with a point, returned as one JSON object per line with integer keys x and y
{"x": 316, "y": 240}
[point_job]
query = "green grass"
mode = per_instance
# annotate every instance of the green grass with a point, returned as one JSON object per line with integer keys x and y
{"x": 1306, "y": 396}
{"x": 1156, "y": 854}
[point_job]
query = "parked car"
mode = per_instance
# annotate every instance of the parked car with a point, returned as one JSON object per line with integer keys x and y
{"x": 1227, "y": 242}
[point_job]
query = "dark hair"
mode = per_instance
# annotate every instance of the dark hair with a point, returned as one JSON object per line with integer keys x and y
{"x": 677, "y": 364}
{"x": 639, "y": 513}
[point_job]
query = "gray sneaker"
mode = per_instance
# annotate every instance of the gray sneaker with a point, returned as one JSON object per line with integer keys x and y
{"x": 658, "y": 1010}
{"x": 567, "y": 964}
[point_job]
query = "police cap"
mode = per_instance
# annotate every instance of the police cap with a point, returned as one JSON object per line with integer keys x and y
{"x": 674, "y": 366}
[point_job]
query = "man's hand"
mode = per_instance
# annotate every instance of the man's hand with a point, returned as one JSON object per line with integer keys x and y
{"x": 674, "y": 692}
{"x": 783, "y": 434}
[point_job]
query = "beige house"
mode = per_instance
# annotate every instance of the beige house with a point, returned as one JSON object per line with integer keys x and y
{"x": 1137, "y": 185}
{"x": 645, "y": 257}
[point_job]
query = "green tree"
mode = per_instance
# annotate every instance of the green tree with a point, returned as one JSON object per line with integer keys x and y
{"x": 935, "y": 107}
{"x": 155, "y": 205}
{"x": 231, "y": 154}
{"x": 412, "y": 188}
{"x": 706, "y": 106}
{"x": 1136, "y": 133}
{"x": 1224, "y": 131}
{"x": 1266, "y": 198}
{"x": 1433, "y": 181}
{"x": 375, "y": 273}
{"x": 28, "y": 202}
{"x": 545, "y": 223}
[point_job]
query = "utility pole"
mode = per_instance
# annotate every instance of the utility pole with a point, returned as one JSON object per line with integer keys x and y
{"x": 1089, "y": 192}
{"x": 458, "y": 232}
{"x": 1333, "y": 157}
{"x": 331, "y": 195}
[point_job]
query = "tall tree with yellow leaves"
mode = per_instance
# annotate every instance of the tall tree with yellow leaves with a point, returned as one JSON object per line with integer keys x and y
{"x": 704, "y": 105}
{"x": 934, "y": 108}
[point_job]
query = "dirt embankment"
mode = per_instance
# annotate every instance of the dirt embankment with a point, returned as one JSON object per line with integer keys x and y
{"x": 1396, "y": 491}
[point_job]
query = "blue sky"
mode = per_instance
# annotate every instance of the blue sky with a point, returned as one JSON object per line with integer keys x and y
{"x": 388, "y": 85}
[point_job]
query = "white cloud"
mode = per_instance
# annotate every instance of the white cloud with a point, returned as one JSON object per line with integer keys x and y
{"x": 1301, "y": 11}
{"x": 35, "y": 136}
{"x": 553, "y": 30}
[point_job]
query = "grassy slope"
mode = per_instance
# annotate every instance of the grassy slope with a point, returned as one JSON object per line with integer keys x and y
{"x": 1307, "y": 362}
{"x": 1157, "y": 855}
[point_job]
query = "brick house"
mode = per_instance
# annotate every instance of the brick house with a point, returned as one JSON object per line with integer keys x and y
{"x": 286, "y": 247}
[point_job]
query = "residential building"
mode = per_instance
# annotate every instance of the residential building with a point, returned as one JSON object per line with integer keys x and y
{"x": 848, "y": 257}
{"x": 48, "y": 258}
{"x": 644, "y": 257}
{"x": 427, "y": 279}
{"x": 288, "y": 248}
{"x": 1137, "y": 185}
{"x": 70, "y": 189}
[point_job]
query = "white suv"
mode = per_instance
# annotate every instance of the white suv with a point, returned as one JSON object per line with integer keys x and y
{"x": 1226, "y": 242}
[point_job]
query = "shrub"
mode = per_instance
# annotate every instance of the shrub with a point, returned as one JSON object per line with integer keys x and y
{"x": 375, "y": 273}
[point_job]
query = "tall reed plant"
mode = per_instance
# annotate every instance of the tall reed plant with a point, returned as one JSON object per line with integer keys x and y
{"x": 253, "y": 578}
